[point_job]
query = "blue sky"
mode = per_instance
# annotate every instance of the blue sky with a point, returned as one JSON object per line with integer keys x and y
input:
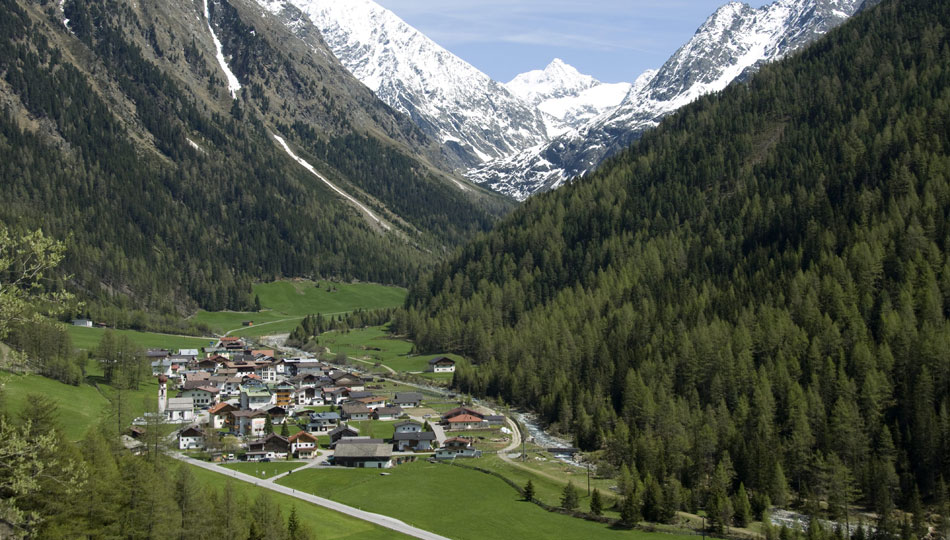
{"x": 613, "y": 40}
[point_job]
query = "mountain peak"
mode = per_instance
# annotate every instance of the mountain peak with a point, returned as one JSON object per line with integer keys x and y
{"x": 557, "y": 80}
{"x": 418, "y": 77}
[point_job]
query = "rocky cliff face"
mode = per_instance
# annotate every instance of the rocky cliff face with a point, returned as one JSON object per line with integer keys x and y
{"x": 732, "y": 43}
{"x": 476, "y": 118}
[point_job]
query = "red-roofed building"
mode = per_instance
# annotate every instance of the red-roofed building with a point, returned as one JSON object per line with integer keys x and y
{"x": 465, "y": 421}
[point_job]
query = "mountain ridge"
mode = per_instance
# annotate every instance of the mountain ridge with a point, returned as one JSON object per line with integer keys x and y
{"x": 734, "y": 40}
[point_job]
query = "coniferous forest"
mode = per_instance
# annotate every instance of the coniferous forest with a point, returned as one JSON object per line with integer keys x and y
{"x": 754, "y": 297}
{"x": 173, "y": 204}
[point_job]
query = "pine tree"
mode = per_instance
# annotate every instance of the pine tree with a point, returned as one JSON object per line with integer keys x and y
{"x": 596, "y": 505}
{"x": 284, "y": 429}
{"x": 629, "y": 511}
{"x": 529, "y": 491}
{"x": 268, "y": 426}
{"x": 743, "y": 509}
{"x": 569, "y": 499}
{"x": 257, "y": 303}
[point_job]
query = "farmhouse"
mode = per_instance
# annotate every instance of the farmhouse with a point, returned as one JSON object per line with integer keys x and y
{"x": 418, "y": 441}
{"x": 465, "y": 421}
{"x": 458, "y": 447}
{"x": 341, "y": 432}
{"x": 387, "y": 413}
{"x": 272, "y": 446}
{"x": 407, "y": 426}
{"x": 364, "y": 455}
{"x": 191, "y": 438}
{"x": 442, "y": 364}
{"x": 323, "y": 422}
{"x": 407, "y": 400}
{"x": 303, "y": 445}
{"x": 371, "y": 402}
{"x": 355, "y": 411}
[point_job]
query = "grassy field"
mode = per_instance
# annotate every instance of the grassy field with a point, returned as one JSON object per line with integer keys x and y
{"x": 320, "y": 522}
{"x": 265, "y": 470}
{"x": 285, "y": 303}
{"x": 376, "y": 345}
{"x": 376, "y": 429}
{"x": 88, "y": 339}
{"x": 79, "y": 406}
{"x": 452, "y": 501}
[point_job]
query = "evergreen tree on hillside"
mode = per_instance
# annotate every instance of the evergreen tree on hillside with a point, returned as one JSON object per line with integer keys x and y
{"x": 765, "y": 275}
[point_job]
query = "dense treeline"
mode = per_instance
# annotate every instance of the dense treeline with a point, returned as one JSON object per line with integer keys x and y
{"x": 162, "y": 224}
{"x": 306, "y": 333}
{"x": 47, "y": 349}
{"x": 754, "y": 295}
{"x": 95, "y": 488}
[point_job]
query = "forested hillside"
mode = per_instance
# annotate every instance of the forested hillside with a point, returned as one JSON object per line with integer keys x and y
{"x": 118, "y": 134}
{"x": 756, "y": 294}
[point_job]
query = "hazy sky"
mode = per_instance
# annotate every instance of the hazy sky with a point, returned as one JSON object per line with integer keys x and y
{"x": 613, "y": 40}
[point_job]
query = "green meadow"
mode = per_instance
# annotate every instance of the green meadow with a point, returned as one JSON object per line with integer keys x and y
{"x": 454, "y": 502}
{"x": 89, "y": 338}
{"x": 79, "y": 407}
{"x": 376, "y": 345}
{"x": 285, "y": 303}
{"x": 320, "y": 522}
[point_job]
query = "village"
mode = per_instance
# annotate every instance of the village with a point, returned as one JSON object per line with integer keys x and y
{"x": 230, "y": 402}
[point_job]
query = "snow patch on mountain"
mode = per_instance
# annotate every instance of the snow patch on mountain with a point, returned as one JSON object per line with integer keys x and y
{"x": 445, "y": 96}
{"x": 566, "y": 97}
{"x": 733, "y": 42}
{"x": 233, "y": 84}
{"x": 369, "y": 213}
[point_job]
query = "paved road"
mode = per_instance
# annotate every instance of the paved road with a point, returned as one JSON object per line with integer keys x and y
{"x": 378, "y": 519}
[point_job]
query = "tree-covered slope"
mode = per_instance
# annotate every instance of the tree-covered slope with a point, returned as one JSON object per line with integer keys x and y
{"x": 763, "y": 282}
{"x": 117, "y": 132}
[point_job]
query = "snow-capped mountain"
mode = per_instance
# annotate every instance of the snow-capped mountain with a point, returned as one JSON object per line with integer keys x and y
{"x": 567, "y": 98}
{"x": 733, "y": 42}
{"x": 448, "y": 98}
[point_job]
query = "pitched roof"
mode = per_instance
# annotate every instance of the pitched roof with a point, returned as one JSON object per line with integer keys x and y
{"x": 407, "y": 397}
{"x": 191, "y": 431}
{"x": 440, "y": 360}
{"x": 464, "y": 418}
{"x": 343, "y": 428}
{"x": 364, "y": 450}
{"x": 302, "y": 435}
{"x": 221, "y": 408}
{"x": 416, "y": 436}
{"x": 407, "y": 422}
{"x": 462, "y": 440}
{"x": 355, "y": 408}
{"x": 394, "y": 411}
{"x": 180, "y": 403}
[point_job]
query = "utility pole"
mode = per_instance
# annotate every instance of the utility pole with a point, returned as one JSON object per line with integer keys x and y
{"x": 588, "y": 479}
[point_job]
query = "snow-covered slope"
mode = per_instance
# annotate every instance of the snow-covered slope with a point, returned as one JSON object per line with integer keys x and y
{"x": 447, "y": 97}
{"x": 734, "y": 41}
{"x": 567, "y": 98}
